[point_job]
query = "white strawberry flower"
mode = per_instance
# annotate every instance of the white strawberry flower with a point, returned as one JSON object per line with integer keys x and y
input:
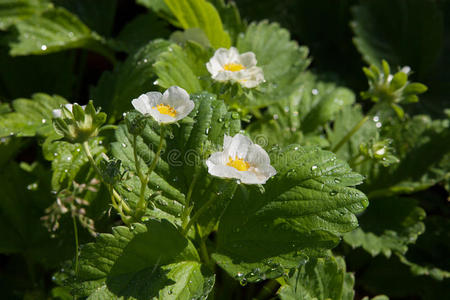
{"x": 229, "y": 65}
{"x": 169, "y": 107}
{"x": 241, "y": 159}
{"x": 57, "y": 113}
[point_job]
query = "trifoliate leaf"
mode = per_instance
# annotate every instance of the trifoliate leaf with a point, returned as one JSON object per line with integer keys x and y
{"x": 13, "y": 11}
{"x": 281, "y": 59}
{"x": 142, "y": 262}
{"x": 183, "y": 67}
{"x": 313, "y": 105}
{"x": 321, "y": 279}
{"x": 200, "y": 14}
{"x": 303, "y": 211}
{"x": 231, "y": 18}
{"x": 135, "y": 76}
{"x": 400, "y": 38}
{"x": 31, "y": 116}
{"x": 184, "y": 150}
{"x": 401, "y": 225}
{"x": 52, "y": 31}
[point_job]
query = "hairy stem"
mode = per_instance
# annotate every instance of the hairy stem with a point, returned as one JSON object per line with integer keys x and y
{"x": 347, "y": 137}
{"x": 197, "y": 215}
{"x": 144, "y": 181}
{"x": 75, "y": 231}
{"x": 187, "y": 208}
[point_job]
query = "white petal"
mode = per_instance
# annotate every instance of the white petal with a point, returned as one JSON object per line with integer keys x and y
{"x": 238, "y": 146}
{"x": 248, "y": 59}
{"x": 224, "y": 171}
{"x": 145, "y": 102}
{"x": 175, "y": 96}
{"x": 184, "y": 110}
{"x": 257, "y": 156}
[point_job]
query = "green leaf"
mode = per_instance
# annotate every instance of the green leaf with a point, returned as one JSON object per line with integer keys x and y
{"x": 411, "y": 32}
{"x": 136, "y": 33}
{"x": 419, "y": 139}
{"x": 200, "y": 14}
{"x": 231, "y": 18}
{"x": 281, "y": 59}
{"x": 313, "y": 105}
{"x": 345, "y": 120}
{"x": 428, "y": 255}
{"x": 13, "y": 11}
{"x": 31, "y": 116}
{"x": 52, "y": 31}
{"x": 135, "y": 76}
{"x": 304, "y": 210}
{"x": 69, "y": 162}
{"x": 182, "y": 67}
{"x": 182, "y": 158}
{"x": 321, "y": 279}
{"x": 142, "y": 262}
{"x": 402, "y": 224}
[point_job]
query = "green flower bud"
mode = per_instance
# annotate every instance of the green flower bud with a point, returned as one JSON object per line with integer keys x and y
{"x": 78, "y": 123}
{"x": 110, "y": 171}
{"x": 136, "y": 122}
{"x": 392, "y": 89}
{"x": 379, "y": 150}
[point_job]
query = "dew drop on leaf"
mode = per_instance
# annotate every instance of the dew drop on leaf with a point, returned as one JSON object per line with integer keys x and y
{"x": 333, "y": 193}
{"x": 124, "y": 145}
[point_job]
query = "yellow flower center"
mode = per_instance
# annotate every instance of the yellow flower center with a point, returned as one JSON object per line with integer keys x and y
{"x": 238, "y": 164}
{"x": 166, "y": 109}
{"x": 233, "y": 67}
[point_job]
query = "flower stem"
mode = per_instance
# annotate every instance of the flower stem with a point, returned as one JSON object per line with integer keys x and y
{"x": 114, "y": 195}
{"x": 203, "y": 250}
{"x": 75, "y": 231}
{"x": 187, "y": 208}
{"x": 197, "y": 215}
{"x": 347, "y": 137}
{"x": 144, "y": 180}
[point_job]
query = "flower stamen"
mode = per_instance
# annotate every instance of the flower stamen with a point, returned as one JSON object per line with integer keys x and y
{"x": 233, "y": 67}
{"x": 166, "y": 109}
{"x": 238, "y": 163}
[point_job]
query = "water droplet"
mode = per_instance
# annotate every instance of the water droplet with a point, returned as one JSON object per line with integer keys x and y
{"x": 315, "y": 92}
{"x": 65, "y": 171}
{"x": 238, "y": 181}
{"x": 376, "y": 119}
{"x": 32, "y": 186}
{"x": 170, "y": 292}
{"x": 235, "y": 115}
{"x": 296, "y": 148}
{"x": 55, "y": 154}
{"x": 145, "y": 60}
{"x": 220, "y": 120}
{"x": 70, "y": 34}
{"x": 275, "y": 117}
{"x": 207, "y": 130}
{"x": 124, "y": 145}
{"x": 43, "y": 47}
{"x": 44, "y": 121}
{"x": 337, "y": 180}
{"x": 333, "y": 193}
{"x": 243, "y": 281}
{"x": 314, "y": 167}
{"x": 378, "y": 124}
{"x": 155, "y": 82}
